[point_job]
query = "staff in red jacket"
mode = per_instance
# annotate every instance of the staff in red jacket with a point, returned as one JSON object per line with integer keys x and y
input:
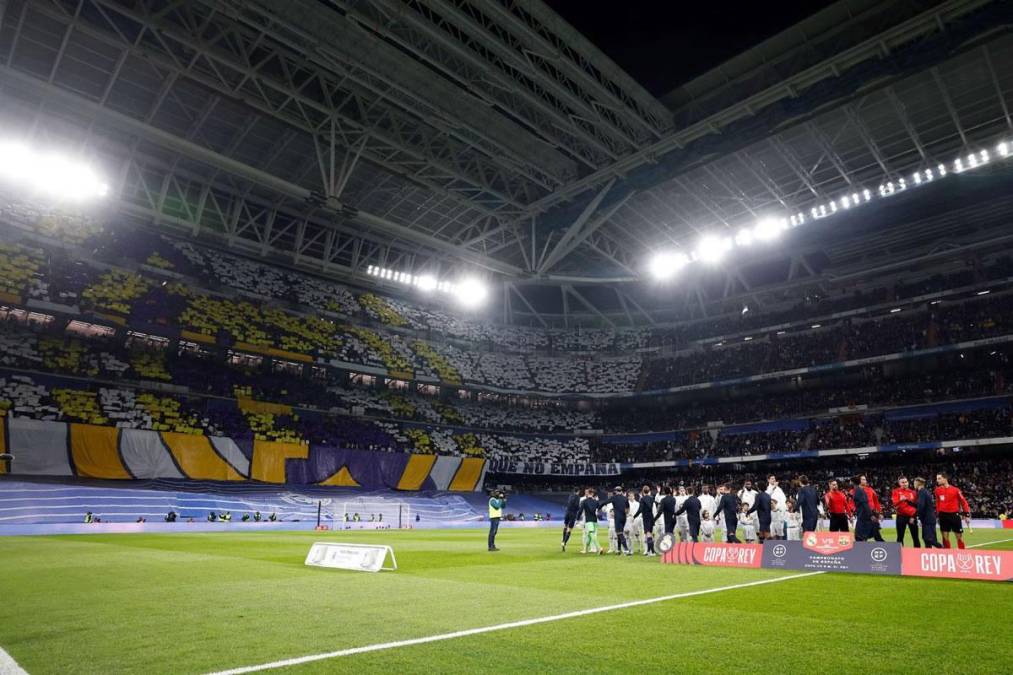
{"x": 904, "y": 499}
{"x": 950, "y": 503}
{"x": 838, "y": 507}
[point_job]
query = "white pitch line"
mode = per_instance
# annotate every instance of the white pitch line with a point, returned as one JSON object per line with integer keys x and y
{"x": 8, "y": 666}
{"x": 989, "y": 543}
{"x": 498, "y": 627}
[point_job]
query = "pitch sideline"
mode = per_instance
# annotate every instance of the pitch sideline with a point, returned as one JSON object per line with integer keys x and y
{"x": 8, "y": 666}
{"x": 284, "y": 663}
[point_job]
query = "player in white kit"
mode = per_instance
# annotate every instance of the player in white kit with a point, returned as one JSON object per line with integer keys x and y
{"x": 635, "y": 524}
{"x": 706, "y": 526}
{"x": 659, "y": 521}
{"x": 682, "y": 521}
{"x": 747, "y": 495}
{"x": 613, "y": 539}
{"x": 794, "y": 520}
{"x": 778, "y": 508}
{"x": 748, "y": 523}
{"x": 708, "y": 503}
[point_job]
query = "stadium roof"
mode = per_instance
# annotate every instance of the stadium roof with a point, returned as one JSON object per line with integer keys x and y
{"x": 446, "y": 135}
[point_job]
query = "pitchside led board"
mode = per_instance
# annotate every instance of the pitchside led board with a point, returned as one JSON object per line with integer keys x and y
{"x": 839, "y": 552}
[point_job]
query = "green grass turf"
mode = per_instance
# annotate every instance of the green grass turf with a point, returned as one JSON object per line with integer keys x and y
{"x": 193, "y": 603}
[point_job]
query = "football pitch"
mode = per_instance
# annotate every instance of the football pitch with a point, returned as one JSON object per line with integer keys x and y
{"x": 203, "y": 603}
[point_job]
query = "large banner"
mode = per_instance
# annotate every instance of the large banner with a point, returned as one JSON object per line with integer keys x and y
{"x": 839, "y": 552}
{"x": 45, "y": 448}
{"x": 553, "y": 469}
{"x": 956, "y": 563}
{"x": 710, "y": 554}
{"x": 833, "y": 552}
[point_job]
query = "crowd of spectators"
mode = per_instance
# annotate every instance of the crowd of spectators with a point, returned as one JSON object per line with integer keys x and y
{"x": 985, "y": 480}
{"x": 821, "y": 303}
{"x": 289, "y": 310}
{"x": 868, "y": 388}
{"x": 845, "y": 431}
{"x": 323, "y": 410}
{"x": 257, "y": 318}
{"x": 975, "y": 318}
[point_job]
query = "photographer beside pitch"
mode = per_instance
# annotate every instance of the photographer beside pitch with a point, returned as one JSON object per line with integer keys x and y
{"x": 497, "y": 500}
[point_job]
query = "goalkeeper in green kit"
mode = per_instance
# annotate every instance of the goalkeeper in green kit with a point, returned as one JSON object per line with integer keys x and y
{"x": 589, "y": 506}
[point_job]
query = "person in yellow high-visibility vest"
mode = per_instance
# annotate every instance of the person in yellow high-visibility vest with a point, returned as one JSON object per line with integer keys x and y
{"x": 497, "y": 501}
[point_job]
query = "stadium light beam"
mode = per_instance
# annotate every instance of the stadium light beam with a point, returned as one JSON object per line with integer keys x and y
{"x": 426, "y": 283}
{"x": 665, "y": 265}
{"x": 769, "y": 229}
{"x": 711, "y": 249}
{"x": 471, "y": 292}
{"x": 49, "y": 173}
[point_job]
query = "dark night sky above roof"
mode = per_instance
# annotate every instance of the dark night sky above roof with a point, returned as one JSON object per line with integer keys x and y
{"x": 664, "y": 44}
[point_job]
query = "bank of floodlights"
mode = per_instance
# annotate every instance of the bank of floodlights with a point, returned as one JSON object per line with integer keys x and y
{"x": 711, "y": 249}
{"x": 470, "y": 292}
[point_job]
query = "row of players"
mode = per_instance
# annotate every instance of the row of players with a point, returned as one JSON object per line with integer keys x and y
{"x": 698, "y": 514}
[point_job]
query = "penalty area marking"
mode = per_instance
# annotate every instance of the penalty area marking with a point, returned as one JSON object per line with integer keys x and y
{"x": 284, "y": 663}
{"x": 8, "y": 666}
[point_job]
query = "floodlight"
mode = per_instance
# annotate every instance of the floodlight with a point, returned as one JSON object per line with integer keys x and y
{"x": 426, "y": 282}
{"x": 667, "y": 264}
{"x": 744, "y": 237}
{"x": 711, "y": 249}
{"x": 471, "y": 292}
{"x": 49, "y": 173}
{"x": 769, "y": 229}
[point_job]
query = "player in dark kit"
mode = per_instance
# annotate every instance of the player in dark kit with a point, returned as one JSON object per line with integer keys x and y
{"x": 925, "y": 510}
{"x": 808, "y": 504}
{"x": 570, "y": 516}
{"x": 865, "y": 527}
{"x": 762, "y": 509}
{"x": 620, "y": 507}
{"x": 668, "y": 509}
{"x": 728, "y": 506}
{"x": 647, "y": 514}
{"x": 877, "y": 508}
{"x": 950, "y": 503}
{"x": 691, "y": 507}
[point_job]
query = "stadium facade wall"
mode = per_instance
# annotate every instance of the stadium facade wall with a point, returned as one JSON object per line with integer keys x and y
{"x": 58, "y": 449}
